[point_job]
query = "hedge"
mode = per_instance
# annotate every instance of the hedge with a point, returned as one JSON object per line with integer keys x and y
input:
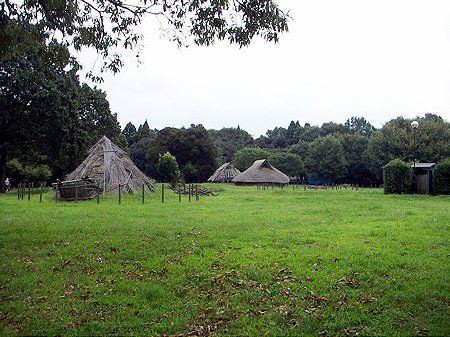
{"x": 397, "y": 177}
{"x": 441, "y": 177}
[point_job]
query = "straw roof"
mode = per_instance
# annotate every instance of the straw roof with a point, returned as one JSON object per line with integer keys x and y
{"x": 109, "y": 166}
{"x": 225, "y": 173}
{"x": 261, "y": 172}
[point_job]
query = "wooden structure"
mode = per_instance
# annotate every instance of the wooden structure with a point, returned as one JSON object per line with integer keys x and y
{"x": 224, "y": 174}
{"x": 110, "y": 167}
{"x": 423, "y": 178}
{"x": 261, "y": 173}
{"x": 80, "y": 189}
{"x": 193, "y": 190}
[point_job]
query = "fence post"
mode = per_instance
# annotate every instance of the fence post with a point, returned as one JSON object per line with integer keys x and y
{"x": 190, "y": 192}
{"x": 120, "y": 199}
{"x": 162, "y": 194}
{"x": 40, "y": 192}
{"x": 29, "y": 191}
{"x": 19, "y": 187}
{"x": 76, "y": 193}
{"x": 179, "y": 193}
{"x": 196, "y": 192}
{"x": 143, "y": 193}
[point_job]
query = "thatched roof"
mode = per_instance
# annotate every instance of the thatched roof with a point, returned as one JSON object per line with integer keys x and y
{"x": 108, "y": 165}
{"x": 261, "y": 172}
{"x": 225, "y": 173}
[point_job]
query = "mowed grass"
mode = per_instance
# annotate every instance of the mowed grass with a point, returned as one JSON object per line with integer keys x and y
{"x": 247, "y": 262}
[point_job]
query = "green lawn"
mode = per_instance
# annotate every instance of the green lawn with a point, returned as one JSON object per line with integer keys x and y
{"x": 247, "y": 262}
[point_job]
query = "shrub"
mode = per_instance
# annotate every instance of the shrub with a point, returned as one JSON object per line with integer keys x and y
{"x": 40, "y": 172}
{"x": 168, "y": 169}
{"x": 397, "y": 177}
{"x": 441, "y": 177}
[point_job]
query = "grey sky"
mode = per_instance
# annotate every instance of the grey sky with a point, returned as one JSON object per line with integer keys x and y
{"x": 377, "y": 59}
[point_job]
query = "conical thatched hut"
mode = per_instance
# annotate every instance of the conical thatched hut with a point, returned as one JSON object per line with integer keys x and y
{"x": 224, "y": 174}
{"x": 261, "y": 172}
{"x": 109, "y": 166}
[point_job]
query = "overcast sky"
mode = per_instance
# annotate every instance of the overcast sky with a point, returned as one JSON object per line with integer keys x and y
{"x": 377, "y": 59}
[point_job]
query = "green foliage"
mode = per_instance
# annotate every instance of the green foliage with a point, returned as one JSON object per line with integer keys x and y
{"x": 129, "y": 132}
{"x": 326, "y": 158}
{"x": 15, "y": 171}
{"x": 301, "y": 149}
{"x": 192, "y": 147}
{"x": 395, "y": 140}
{"x": 355, "y": 150}
{"x": 288, "y": 163}
{"x": 168, "y": 169}
{"x": 397, "y": 177}
{"x": 228, "y": 141}
{"x": 441, "y": 177}
{"x": 360, "y": 126}
{"x": 37, "y": 173}
{"x": 108, "y": 26}
{"x": 245, "y": 157}
{"x": 47, "y": 117}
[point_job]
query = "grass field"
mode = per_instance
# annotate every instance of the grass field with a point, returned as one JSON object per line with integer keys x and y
{"x": 247, "y": 262}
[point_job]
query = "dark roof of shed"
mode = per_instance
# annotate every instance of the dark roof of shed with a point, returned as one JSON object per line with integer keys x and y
{"x": 424, "y": 165}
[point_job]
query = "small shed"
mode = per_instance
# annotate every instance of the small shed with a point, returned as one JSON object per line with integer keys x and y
{"x": 423, "y": 177}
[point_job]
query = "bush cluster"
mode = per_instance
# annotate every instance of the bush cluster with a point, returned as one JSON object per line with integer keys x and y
{"x": 397, "y": 177}
{"x": 441, "y": 177}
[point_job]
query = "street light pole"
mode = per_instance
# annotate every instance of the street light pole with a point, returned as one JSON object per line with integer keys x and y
{"x": 415, "y": 125}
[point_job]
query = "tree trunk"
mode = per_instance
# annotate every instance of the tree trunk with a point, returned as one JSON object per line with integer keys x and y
{"x": 3, "y": 155}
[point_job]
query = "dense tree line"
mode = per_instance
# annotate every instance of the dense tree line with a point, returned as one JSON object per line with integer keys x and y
{"x": 353, "y": 152}
{"x": 48, "y": 118}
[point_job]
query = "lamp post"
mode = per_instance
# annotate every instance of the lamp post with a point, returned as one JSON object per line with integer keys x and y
{"x": 414, "y": 125}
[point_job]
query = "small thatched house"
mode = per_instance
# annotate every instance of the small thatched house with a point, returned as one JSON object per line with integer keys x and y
{"x": 109, "y": 166}
{"x": 224, "y": 174}
{"x": 261, "y": 172}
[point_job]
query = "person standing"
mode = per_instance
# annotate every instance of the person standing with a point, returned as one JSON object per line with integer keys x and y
{"x": 7, "y": 185}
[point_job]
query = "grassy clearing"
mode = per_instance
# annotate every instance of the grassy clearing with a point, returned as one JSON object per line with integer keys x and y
{"x": 247, "y": 262}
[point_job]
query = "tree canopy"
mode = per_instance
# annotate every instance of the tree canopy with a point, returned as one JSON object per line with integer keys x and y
{"x": 109, "y": 26}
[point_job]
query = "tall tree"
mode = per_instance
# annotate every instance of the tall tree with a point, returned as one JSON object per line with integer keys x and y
{"x": 192, "y": 147}
{"x": 245, "y": 157}
{"x": 326, "y": 158}
{"x": 47, "y": 117}
{"x": 228, "y": 141}
{"x": 129, "y": 132}
{"x": 288, "y": 163}
{"x": 395, "y": 140}
{"x": 359, "y": 125}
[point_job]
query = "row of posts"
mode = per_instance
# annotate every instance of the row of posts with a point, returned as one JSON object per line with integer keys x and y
{"x": 29, "y": 188}
{"x": 305, "y": 186}
{"x": 192, "y": 191}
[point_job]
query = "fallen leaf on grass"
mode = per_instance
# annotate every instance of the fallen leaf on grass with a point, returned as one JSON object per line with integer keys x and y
{"x": 88, "y": 271}
{"x": 347, "y": 282}
{"x": 312, "y": 296}
{"x": 6, "y": 316}
{"x": 366, "y": 300}
{"x": 421, "y": 331}
{"x": 26, "y": 259}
